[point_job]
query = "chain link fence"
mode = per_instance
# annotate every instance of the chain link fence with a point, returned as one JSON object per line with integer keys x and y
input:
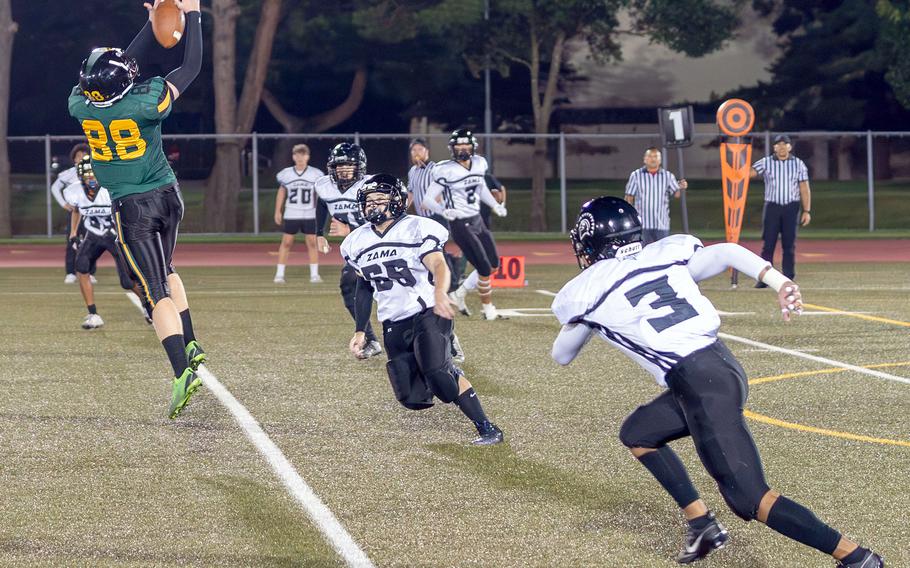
{"x": 859, "y": 180}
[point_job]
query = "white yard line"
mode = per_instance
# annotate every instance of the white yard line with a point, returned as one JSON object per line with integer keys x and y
{"x": 322, "y": 517}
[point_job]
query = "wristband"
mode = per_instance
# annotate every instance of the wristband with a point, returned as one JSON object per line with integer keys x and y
{"x": 775, "y": 279}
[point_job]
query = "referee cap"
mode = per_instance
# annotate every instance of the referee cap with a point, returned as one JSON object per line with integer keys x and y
{"x": 782, "y": 138}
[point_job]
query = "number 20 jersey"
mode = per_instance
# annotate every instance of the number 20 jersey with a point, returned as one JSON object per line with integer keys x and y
{"x": 300, "y": 202}
{"x": 393, "y": 263}
{"x": 125, "y": 138}
{"x": 647, "y": 305}
{"x": 462, "y": 185}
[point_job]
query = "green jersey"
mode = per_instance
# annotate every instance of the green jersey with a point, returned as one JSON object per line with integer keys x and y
{"x": 125, "y": 138}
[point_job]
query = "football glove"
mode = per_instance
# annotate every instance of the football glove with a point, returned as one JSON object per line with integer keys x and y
{"x": 450, "y": 214}
{"x": 500, "y": 210}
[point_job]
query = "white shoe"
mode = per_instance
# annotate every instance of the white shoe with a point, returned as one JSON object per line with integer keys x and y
{"x": 92, "y": 321}
{"x": 489, "y": 312}
{"x": 315, "y": 279}
{"x": 93, "y": 279}
{"x": 279, "y": 280}
{"x": 458, "y": 298}
{"x": 371, "y": 349}
{"x": 70, "y": 279}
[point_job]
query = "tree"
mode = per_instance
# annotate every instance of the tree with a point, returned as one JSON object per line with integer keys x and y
{"x": 233, "y": 116}
{"x": 894, "y": 43}
{"x": 8, "y": 30}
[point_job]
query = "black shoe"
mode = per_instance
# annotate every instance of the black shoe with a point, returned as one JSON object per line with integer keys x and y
{"x": 490, "y": 434}
{"x": 761, "y": 285}
{"x": 871, "y": 560}
{"x": 700, "y": 543}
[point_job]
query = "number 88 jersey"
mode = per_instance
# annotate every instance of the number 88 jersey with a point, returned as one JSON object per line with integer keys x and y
{"x": 125, "y": 138}
{"x": 647, "y": 305}
{"x": 393, "y": 263}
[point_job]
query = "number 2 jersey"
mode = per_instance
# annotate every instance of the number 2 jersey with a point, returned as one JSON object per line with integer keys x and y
{"x": 648, "y": 305}
{"x": 461, "y": 187}
{"x": 393, "y": 263}
{"x": 125, "y": 138}
{"x": 300, "y": 202}
{"x": 96, "y": 215}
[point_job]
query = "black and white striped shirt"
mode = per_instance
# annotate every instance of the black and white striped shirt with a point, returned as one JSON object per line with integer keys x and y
{"x": 419, "y": 178}
{"x": 782, "y": 178}
{"x": 652, "y": 196}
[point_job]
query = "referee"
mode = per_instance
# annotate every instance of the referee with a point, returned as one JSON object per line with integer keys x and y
{"x": 649, "y": 190}
{"x": 786, "y": 191}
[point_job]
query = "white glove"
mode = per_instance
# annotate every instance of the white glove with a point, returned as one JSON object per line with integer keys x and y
{"x": 500, "y": 210}
{"x": 450, "y": 214}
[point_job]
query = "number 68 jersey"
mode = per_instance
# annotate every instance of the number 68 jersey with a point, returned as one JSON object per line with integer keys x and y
{"x": 647, "y": 305}
{"x": 393, "y": 263}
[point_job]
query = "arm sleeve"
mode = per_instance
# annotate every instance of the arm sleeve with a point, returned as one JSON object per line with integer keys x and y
{"x": 631, "y": 185}
{"x": 673, "y": 184}
{"x": 492, "y": 182}
{"x": 57, "y": 192}
{"x": 142, "y": 44}
{"x": 322, "y": 215}
{"x": 486, "y": 196}
{"x": 429, "y": 200}
{"x": 759, "y": 166}
{"x": 710, "y": 261}
{"x": 568, "y": 344}
{"x": 182, "y": 76}
{"x": 803, "y": 174}
{"x": 434, "y": 238}
{"x": 363, "y": 304}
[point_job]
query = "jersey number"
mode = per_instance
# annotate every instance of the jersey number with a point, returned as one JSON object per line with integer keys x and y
{"x": 666, "y": 296}
{"x": 471, "y": 194}
{"x": 299, "y": 196}
{"x": 129, "y": 145}
{"x": 397, "y": 271}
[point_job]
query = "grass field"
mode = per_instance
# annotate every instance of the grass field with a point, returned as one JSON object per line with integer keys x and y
{"x": 94, "y": 474}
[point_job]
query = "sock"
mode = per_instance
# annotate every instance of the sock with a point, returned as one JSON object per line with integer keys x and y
{"x": 484, "y": 290}
{"x": 469, "y": 403}
{"x": 279, "y": 273}
{"x": 92, "y": 309}
{"x": 855, "y": 556}
{"x": 175, "y": 349}
{"x": 792, "y": 520}
{"x": 471, "y": 281}
{"x": 699, "y": 523}
{"x": 188, "y": 333}
{"x": 670, "y": 472}
{"x": 314, "y": 270}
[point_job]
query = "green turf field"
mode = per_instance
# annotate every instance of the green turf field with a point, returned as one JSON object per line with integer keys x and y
{"x": 94, "y": 474}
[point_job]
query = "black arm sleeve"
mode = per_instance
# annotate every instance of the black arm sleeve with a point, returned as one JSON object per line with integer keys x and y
{"x": 363, "y": 304}
{"x": 322, "y": 215}
{"x": 492, "y": 182}
{"x": 182, "y": 76}
{"x": 142, "y": 44}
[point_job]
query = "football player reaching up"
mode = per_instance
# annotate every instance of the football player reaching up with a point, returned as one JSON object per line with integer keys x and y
{"x": 91, "y": 209}
{"x": 647, "y": 303}
{"x": 122, "y": 124}
{"x": 337, "y": 193}
{"x": 399, "y": 254}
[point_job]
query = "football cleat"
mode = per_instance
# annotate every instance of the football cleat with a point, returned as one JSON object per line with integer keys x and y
{"x": 92, "y": 321}
{"x": 490, "y": 434}
{"x": 195, "y": 356}
{"x": 458, "y": 298}
{"x": 700, "y": 543}
{"x": 371, "y": 349}
{"x": 489, "y": 312}
{"x": 871, "y": 560}
{"x": 70, "y": 279}
{"x": 457, "y": 351}
{"x": 315, "y": 279}
{"x": 182, "y": 388}
{"x": 279, "y": 280}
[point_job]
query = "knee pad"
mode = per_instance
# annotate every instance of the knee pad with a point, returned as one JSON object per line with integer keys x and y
{"x": 407, "y": 383}
{"x": 444, "y": 383}
{"x": 83, "y": 264}
{"x": 630, "y": 434}
{"x": 743, "y": 493}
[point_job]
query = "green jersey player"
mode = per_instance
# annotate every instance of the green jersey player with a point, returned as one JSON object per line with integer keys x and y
{"x": 122, "y": 123}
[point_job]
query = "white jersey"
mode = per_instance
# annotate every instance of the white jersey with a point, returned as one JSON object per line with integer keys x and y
{"x": 393, "y": 263}
{"x": 342, "y": 206}
{"x": 96, "y": 215}
{"x": 300, "y": 202}
{"x": 64, "y": 179}
{"x": 647, "y": 305}
{"x": 462, "y": 188}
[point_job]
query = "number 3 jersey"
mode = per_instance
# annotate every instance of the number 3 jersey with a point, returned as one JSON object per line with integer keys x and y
{"x": 647, "y": 304}
{"x": 125, "y": 138}
{"x": 300, "y": 202}
{"x": 96, "y": 215}
{"x": 393, "y": 263}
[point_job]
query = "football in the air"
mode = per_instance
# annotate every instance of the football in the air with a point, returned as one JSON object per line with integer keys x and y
{"x": 168, "y": 22}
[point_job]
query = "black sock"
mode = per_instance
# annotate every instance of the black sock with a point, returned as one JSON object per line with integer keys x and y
{"x": 791, "y": 519}
{"x": 698, "y": 523}
{"x": 670, "y": 472}
{"x": 855, "y": 556}
{"x": 188, "y": 334}
{"x": 469, "y": 403}
{"x": 92, "y": 309}
{"x": 176, "y": 353}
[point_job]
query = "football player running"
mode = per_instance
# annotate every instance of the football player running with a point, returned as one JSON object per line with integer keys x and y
{"x": 337, "y": 191}
{"x": 91, "y": 211}
{"x": 461, "y": 183}
{"x": 646, "y": 302}
{"x": 401, "y": 256}
{"x": 122, "y": 123}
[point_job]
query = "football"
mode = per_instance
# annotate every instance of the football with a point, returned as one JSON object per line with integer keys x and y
{"x": 168, "y": 22}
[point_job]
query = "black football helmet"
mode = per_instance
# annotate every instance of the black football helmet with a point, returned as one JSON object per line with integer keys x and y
{"x": 86, "y": 175}
{"x": 462, "y": 136}
{"x": 107, "y": 74}
{"x": 346, "y": 154}
{"x": 390, "y": 185}
{"x": 605, "y": 226}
